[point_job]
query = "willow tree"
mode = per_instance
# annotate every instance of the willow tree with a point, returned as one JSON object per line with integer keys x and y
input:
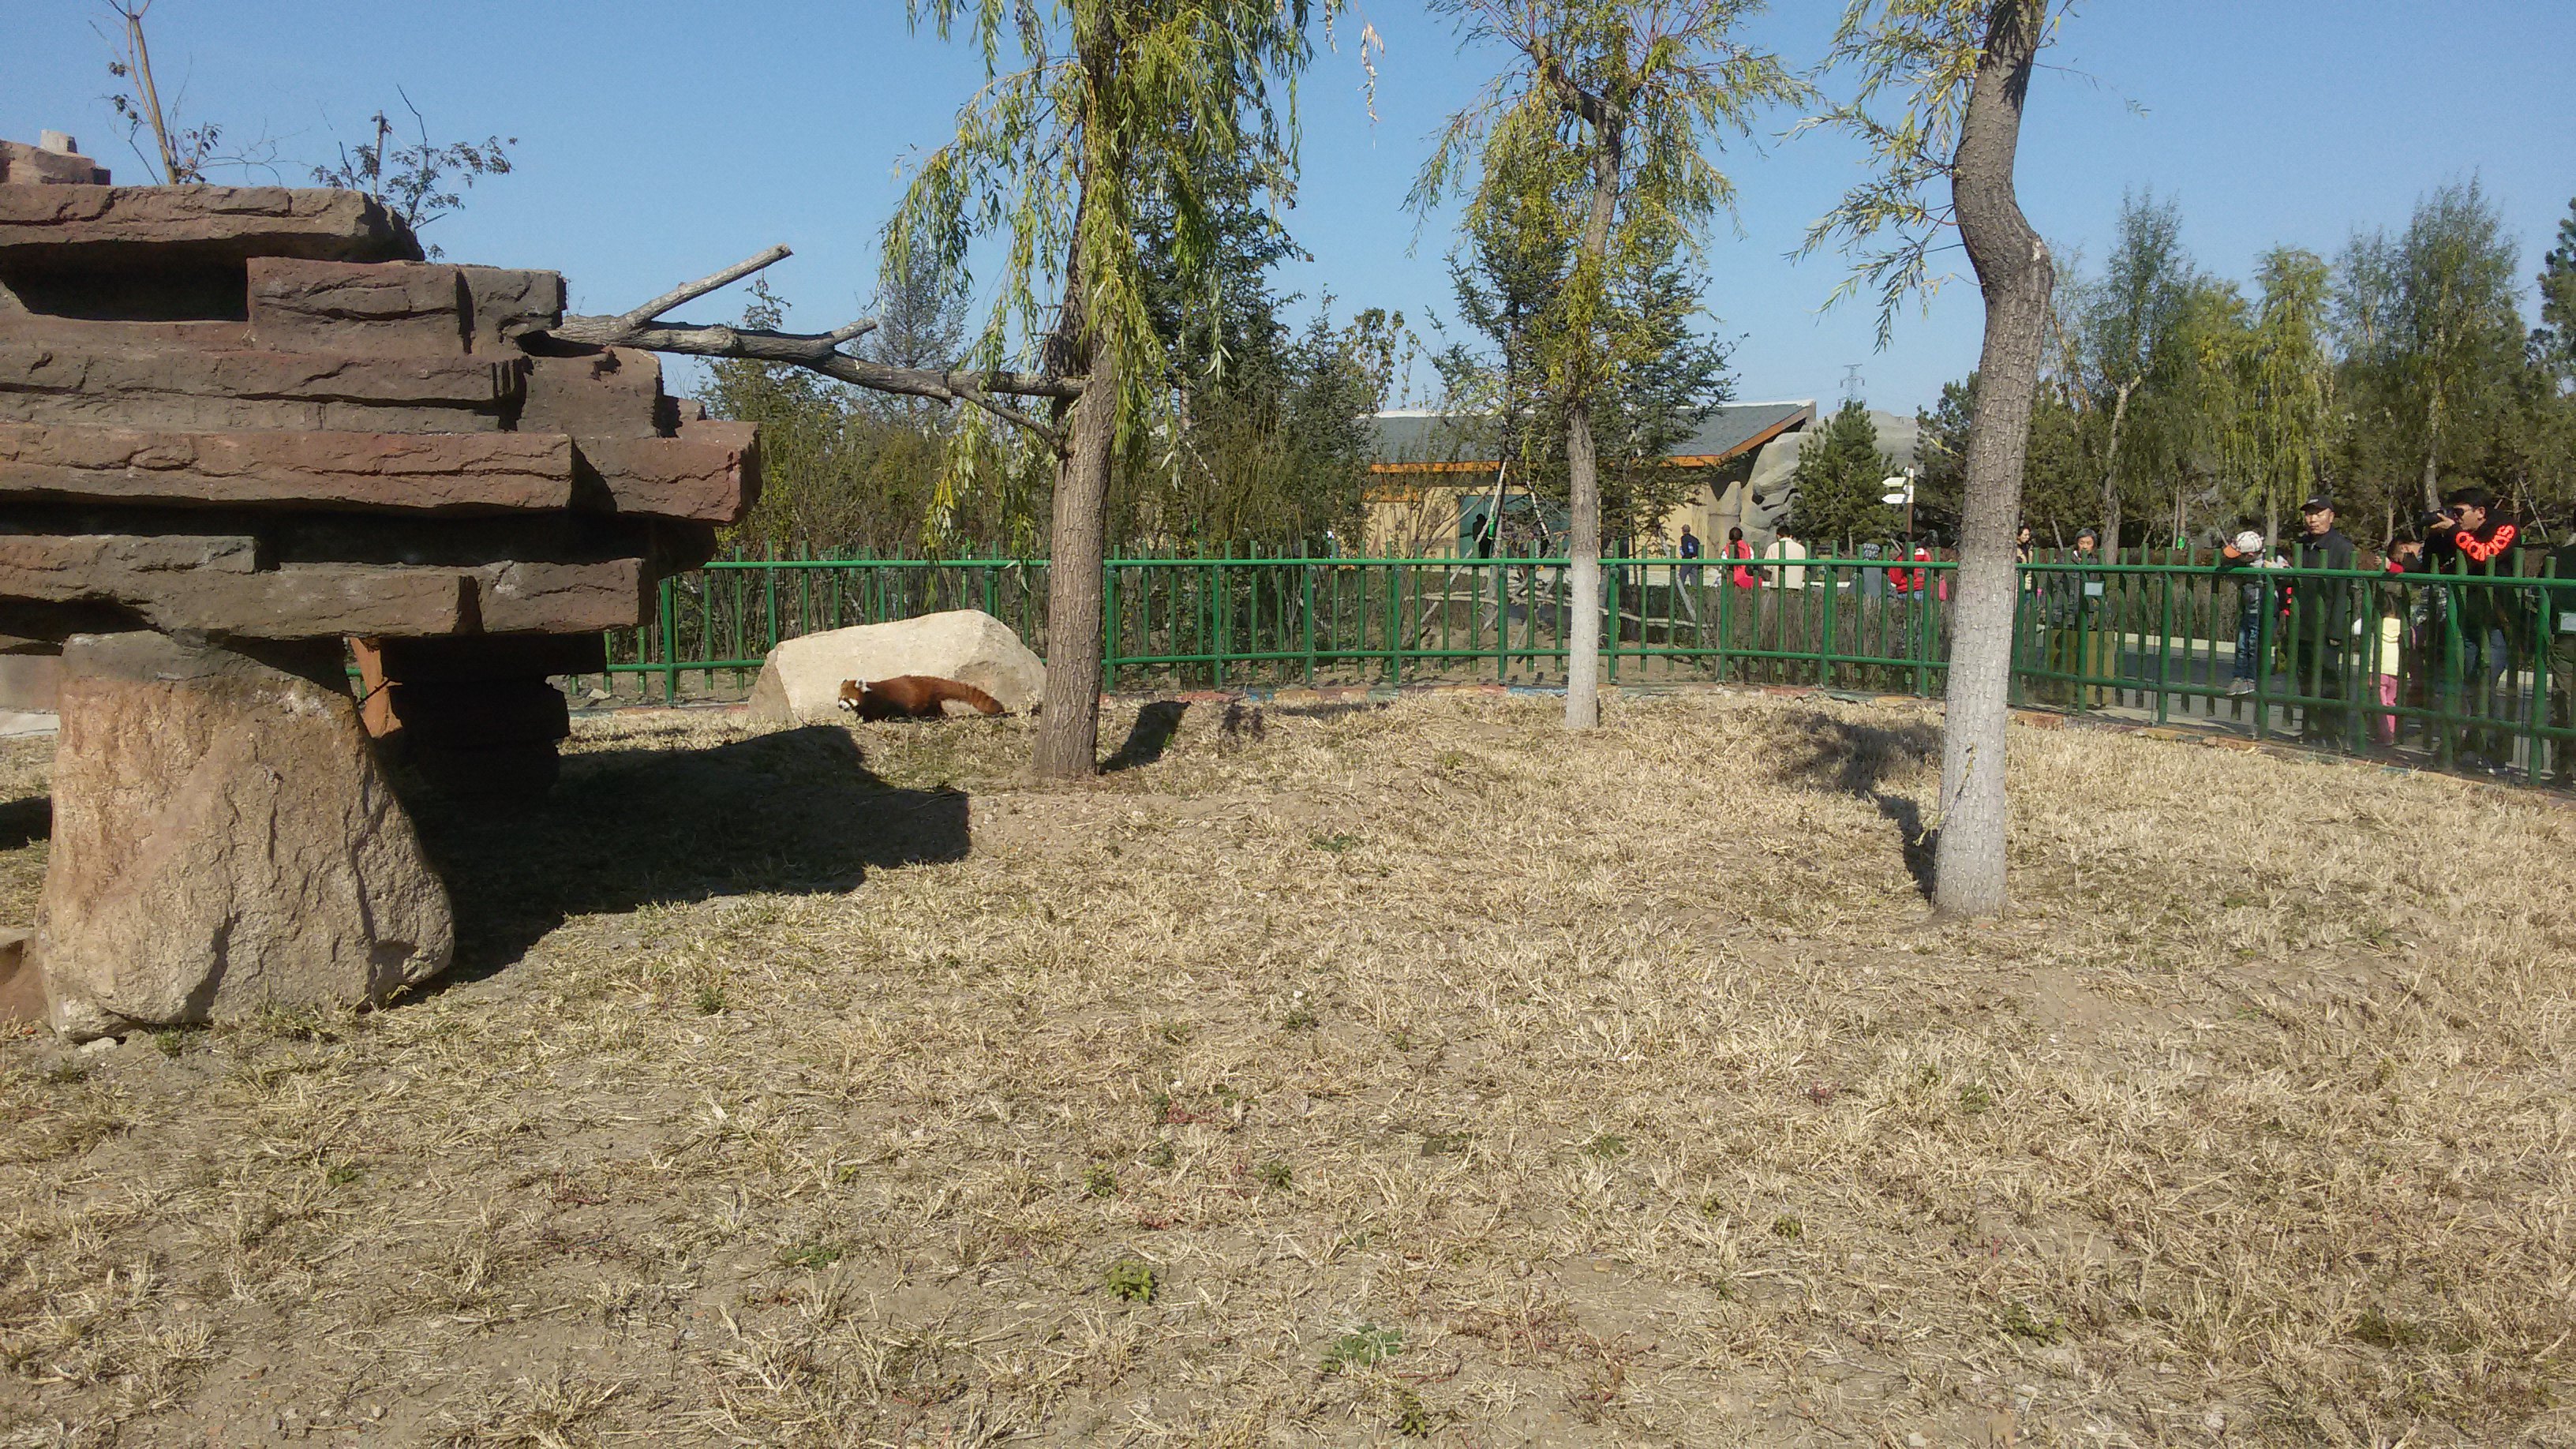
{"x": 1604, "y": 121}
{"x": 2291, "y": 368}
{"x": 1938, "y": 101}
{"x": 2133, "y": 331}
{"x": 1094, "y": 112}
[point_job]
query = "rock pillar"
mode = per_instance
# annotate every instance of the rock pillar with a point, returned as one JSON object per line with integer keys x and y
{"x": 223, "y": 842}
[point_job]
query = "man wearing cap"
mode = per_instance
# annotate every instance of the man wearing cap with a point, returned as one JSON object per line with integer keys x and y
{"x": 2245, "y": 553}
{"x": 2320, "y": 613}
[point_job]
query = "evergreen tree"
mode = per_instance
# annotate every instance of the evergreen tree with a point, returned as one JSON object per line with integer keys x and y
{"x": 1840, "y": 481}
{"x": 2553, "y": 342}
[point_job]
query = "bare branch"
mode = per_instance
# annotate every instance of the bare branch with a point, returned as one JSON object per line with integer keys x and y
{"x": 1053, "y": 435}
{"x": 819, "y": 351}
{"x": 691, "y": 291}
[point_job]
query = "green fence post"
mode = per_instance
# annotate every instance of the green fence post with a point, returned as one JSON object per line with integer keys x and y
{"x": 1825, "y": 635}
{"x": 1306, "y": 591}
{"x": 1395, "y": 623}
{"x": 670, "y": 645}
{"x": 1221, "y": 614}
{"x": 1610, "y": 612}
{"x": 2538, "y": 700}
{"x": 1115, "y": 622}
{"x": 2164, "y": 648}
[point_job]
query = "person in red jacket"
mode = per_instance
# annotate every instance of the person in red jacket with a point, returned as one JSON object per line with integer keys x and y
{"x": 1736, "y": 547}
{"x": 2467, "y": 538}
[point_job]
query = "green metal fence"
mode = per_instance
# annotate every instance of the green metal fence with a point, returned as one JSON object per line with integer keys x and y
{"x": 2466, "y": 669}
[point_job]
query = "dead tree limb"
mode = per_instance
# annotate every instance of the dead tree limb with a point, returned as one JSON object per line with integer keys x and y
{"x": 642, "y": 328}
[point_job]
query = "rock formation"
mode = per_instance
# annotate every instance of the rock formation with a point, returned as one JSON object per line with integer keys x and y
{"x": 256, "y": 420}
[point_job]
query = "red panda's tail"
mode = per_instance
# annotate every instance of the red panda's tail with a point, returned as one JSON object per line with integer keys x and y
{"x": 968, "y": 695}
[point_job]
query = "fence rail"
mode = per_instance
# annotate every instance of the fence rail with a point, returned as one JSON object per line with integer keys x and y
{"x": 2469, "y": 669}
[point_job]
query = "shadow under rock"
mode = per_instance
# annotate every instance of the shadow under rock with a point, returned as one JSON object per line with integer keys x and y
{"x": 24, "y": 822}
{"x": 1855, "y": 759}
{"x": 796, "y": 811}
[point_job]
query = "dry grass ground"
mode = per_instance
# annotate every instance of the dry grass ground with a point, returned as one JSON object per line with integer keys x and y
{"x": 1410, "y": 1071}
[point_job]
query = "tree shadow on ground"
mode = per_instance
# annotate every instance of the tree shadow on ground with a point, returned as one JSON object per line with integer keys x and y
{"x": 1152, "y": 733}
{"x": 1855, "y": 759}
{"x": 796, "y": 811}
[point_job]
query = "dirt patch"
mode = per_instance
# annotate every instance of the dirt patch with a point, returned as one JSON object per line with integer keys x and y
{"x": 1409, "y": 1070}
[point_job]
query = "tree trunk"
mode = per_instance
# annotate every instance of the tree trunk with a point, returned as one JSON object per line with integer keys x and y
{"x": 1583, "y": 630}
{"x": 2111, "y": 474}
{"x": 1068, "y": 744}
{"x": 2016, "y": 275}
{"x": 1582, "y": 462}
{"x": 2433, "y": 451}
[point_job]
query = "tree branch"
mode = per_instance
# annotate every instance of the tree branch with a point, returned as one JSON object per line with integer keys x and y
{"x": 691, "y": 291}
{"x": 819, "y": 351}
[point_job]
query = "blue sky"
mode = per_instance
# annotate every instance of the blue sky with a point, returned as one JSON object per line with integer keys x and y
{"x": 661, "y": 139}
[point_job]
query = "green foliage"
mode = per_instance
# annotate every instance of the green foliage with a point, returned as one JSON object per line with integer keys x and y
{"x": 1586, "y": 164}
{"x": 2291, "y": 373}
{"x": 1363, "y": 1347}
{"x": 1912, "y": 64}
{"x": 2434, "y": 341}
{"x": 2018, "y": 1321}
{"x": 419, "y": 180}
{"x": 1840, "y": 479}
{"x": 2553, "y": 342}
{"x": 1131, "y": 1279}
{"x": 1110, "y": 118}
{"x": 1099, "y": 1180}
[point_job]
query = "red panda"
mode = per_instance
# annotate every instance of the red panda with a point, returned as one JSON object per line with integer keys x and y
{"x": 911, "y": 696}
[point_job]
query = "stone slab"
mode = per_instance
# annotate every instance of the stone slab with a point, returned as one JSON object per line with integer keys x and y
{"x": 111, "y": 226}
{"x": 504, "y": 303}
{"x": 612, "y": 392}
{"x": 562, "y": 598}
{"x": 408, "y": 472}
{"x": 72, "y": 584}
{"x": 61, "y": 568}
{"x": 708, "y": 474}
{"x": 399, "y": 308}
{"x": 25, "y": 165}
{"x": 381, "y": 308}
{"x": 194, "y": 389}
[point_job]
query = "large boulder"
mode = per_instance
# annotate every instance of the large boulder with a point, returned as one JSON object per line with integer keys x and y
{"x": 800, "y": 682}
{"x": 223, "y": 843}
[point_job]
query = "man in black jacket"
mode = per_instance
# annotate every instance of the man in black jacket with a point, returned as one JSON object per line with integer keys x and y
{"x": 2469, "y": 539}
{"x": 2320, "y": 616}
